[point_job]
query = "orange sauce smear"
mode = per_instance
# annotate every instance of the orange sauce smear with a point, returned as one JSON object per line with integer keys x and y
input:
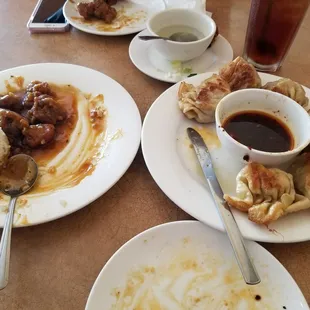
{"x": 70, "y": 175}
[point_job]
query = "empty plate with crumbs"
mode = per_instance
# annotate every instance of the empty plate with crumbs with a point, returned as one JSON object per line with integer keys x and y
{"x": 189, "y": 266}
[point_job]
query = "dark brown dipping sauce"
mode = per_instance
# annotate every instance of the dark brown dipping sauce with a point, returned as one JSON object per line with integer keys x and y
{"x": 260, "y": 131}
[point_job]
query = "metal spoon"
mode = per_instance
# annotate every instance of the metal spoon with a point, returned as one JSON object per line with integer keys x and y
{"x": 176, "y": 37}
{"x": 16, "y": 178}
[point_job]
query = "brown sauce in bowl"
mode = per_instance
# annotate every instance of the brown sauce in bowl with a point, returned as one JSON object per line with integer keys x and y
{"x": 260, "y": 131}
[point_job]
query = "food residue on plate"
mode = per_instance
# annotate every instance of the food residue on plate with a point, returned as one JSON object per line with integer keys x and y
{"x": 78, "y": 142}
{"x": 64, "y": 203}
{"x": 178, "y": 70}
{"x": 209, "y": 136}
{"x": 121, "y": 21}
{"x": 190, "y": 278}
{"x": 24, "y": 220}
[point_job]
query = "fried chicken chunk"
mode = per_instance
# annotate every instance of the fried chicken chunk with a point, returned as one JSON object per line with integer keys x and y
{"x": 35, "y": 89}
{"x": 99, "y": 9}
{"x": 46, "y": 110}
{"x": 38, "y": 135}
{"x": 12, "y": 124}
{"x": 86, "y": 10}
{"x": 11, "y": 102}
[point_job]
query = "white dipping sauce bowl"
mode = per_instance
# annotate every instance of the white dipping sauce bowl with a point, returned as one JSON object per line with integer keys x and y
{"x": 275, "y": 104}
{"x": 182, "y": 51}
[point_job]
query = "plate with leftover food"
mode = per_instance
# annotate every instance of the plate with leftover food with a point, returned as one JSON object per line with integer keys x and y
{"x": 150, "y": 62}
{"x": 81, "y": 127}
{"x": 111, "y": 17}
{"x": 269, "y": 197}
{"x": 187, "y": 265}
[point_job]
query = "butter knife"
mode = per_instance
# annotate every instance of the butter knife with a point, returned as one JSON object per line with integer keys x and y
{"x": 237, "y": 242}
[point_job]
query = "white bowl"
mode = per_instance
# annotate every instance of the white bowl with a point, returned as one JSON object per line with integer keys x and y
{"x": 182, "y": 51}
{"x": 275, "y": 104}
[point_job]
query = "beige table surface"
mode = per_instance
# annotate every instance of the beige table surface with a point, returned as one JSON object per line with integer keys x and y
{"x": 54, "y": 265}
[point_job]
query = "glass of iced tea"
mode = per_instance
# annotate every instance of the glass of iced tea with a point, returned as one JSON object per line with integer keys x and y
{"x": 272, "y": 27}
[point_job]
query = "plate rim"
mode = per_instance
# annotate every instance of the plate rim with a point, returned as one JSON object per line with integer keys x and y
{"x": 163, "y": 79}
{"x": 189, "y": 211}
{"x": 124, "y": 169}
{"x": 189, "y": 223}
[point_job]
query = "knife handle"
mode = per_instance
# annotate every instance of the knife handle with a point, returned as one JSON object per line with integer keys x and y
{"x": 245, "y": 263}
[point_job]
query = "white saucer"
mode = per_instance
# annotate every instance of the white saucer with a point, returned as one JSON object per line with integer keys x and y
{"x": 151, "y": 63}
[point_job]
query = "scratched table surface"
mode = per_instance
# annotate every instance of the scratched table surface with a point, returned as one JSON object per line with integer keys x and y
{"x": 54, "y": 265}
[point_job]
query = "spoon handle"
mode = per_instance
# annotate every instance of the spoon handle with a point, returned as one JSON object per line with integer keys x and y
{"x": 148, "y": 38}
{"x": 5, "y": 245}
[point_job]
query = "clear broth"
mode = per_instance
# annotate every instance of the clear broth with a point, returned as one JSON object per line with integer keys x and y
{"x": 168, "y": 31}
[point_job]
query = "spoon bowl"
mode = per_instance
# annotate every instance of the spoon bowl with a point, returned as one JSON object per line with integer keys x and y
{"x": 183, "y": 37}
{"x": 149, "y": 38}
{"x": 16, "y": 178}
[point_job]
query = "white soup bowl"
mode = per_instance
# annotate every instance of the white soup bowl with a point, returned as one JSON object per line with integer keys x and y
{"x": 182, "y": 51}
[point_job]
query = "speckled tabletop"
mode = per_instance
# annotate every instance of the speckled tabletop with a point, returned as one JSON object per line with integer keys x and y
{"x": 54, "y": 265}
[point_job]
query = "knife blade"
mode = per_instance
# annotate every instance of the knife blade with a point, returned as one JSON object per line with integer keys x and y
{"x": 246, "y": 266}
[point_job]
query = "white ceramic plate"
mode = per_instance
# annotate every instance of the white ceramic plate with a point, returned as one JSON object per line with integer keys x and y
{"x": 138, "y": 10}
{"x": 175, "y": 168}
{"x": 186, "y": 265}
{"x": 151, "y": 63}
{"x": 123, "y": 116}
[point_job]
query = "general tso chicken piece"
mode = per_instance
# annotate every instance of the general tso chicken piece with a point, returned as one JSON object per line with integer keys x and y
{"x": 12, "y": 124}
{"x": 38, "y": 135}
{"x": 11, "y": 102}
{"x": 40, "y": 87}
{"x": 46, "y": 110}
{"x": 35, "y": 89}
{"x": 104, "y": 11}
{"x": 99, "y": 9}
{"x": 86, "y": 10}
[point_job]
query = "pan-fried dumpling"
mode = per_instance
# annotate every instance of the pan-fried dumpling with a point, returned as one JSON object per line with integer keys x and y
{"x": 290, "y": 89}
{"x": 266, "y": 194}
{"x": 240, "y": 74}
{"x": 200, "y": 102}
{"x": 300, "y": 170}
